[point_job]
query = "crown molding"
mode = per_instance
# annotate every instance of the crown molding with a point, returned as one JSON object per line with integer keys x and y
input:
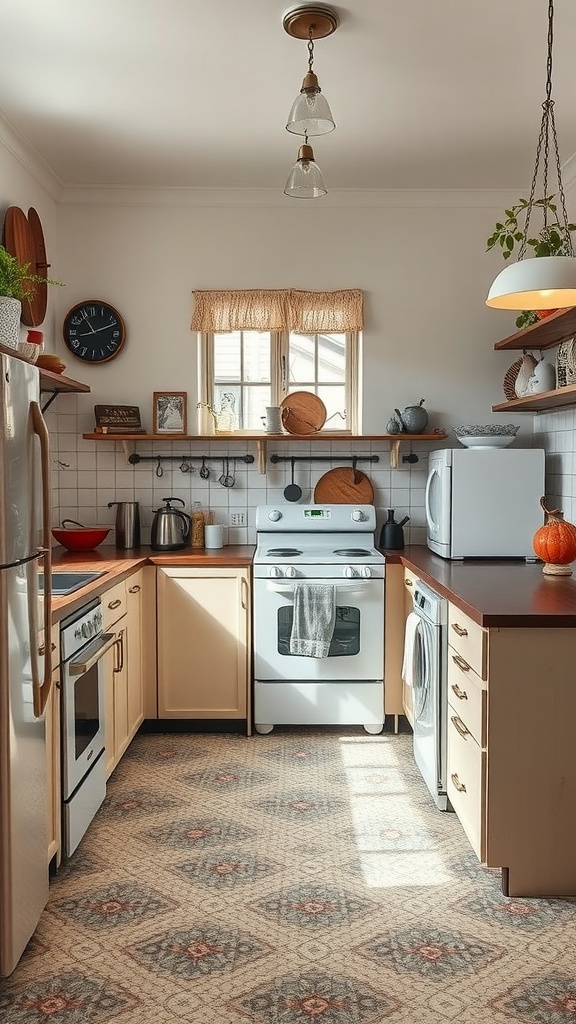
{"x": 29, "y": 159}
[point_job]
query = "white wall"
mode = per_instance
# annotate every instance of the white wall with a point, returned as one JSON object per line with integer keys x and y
{"x": 419, "y": 258}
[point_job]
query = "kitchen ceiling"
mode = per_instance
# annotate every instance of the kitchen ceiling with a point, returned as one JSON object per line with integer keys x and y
{"x": 440, "y": 94}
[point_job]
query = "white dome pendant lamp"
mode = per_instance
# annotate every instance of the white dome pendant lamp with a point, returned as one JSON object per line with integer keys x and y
{"x": 541, "y": 282}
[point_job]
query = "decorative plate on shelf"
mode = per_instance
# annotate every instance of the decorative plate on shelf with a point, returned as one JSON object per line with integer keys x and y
{"x": 303, "y": 413}
{"x": 510, "y": 380}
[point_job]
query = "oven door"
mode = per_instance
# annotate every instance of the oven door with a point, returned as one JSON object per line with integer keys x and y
{"x": 357, "y": 646}
{"x": 83, "y": 711}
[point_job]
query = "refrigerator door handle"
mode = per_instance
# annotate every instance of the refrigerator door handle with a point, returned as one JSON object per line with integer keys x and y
{"x": 41, "y": 689}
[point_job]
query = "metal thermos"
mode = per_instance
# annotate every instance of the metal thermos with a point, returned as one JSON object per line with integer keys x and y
{"x": 127, "y": 525}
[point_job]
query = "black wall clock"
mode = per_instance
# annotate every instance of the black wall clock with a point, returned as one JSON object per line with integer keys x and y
{"x": 94, "y": 331}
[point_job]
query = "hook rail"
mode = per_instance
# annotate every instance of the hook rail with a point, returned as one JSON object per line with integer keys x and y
{"x": 325, "y": 458}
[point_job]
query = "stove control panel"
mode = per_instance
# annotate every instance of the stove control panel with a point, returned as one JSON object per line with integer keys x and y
{"x": 365, "y": 572}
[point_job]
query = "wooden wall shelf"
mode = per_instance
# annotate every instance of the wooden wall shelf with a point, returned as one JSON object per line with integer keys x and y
{"x": 537, "y": 403}
{"x": 262, "y": 439}
{"x": 55, "y": 384}
{"x": 547, "y": 333}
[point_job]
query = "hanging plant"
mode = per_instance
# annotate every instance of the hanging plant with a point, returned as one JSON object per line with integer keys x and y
{"x": 555, "y": 542}
{"x": 553, "y": 240}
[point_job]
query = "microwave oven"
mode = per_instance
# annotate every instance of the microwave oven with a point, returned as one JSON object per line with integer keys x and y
{"x": 484, "y": 502}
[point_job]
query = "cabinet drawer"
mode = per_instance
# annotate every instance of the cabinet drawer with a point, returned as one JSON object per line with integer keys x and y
{"x": 468, "y": 639}
{"x": 467, "y": 696}
{"x": 114, "y": 605}
{"x": 466, "y": 770}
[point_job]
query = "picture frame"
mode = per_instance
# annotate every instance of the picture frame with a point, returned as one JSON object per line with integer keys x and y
{"x": 170, "y": 410}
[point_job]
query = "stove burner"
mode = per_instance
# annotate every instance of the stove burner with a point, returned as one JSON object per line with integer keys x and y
{"x": 284, "y": 552}
{"x": 352, "y": 552}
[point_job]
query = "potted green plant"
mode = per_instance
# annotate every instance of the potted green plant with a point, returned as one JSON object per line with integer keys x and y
{"x": 17, "y": 283}
{"x": 552, "y": 240}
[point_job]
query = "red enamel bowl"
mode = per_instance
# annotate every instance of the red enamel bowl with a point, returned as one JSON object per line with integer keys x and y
{"x": 79, "y": 538}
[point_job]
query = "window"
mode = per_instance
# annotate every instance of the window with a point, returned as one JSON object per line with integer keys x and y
{"x": 244, "y": 368}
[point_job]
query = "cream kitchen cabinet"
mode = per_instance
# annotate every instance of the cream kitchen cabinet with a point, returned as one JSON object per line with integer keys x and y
{"x": 203, "y": 643}
{"x": 53, "y": 777}
{"x": 393, "y": 641}
{"x": 123, "y": 701}
{"x": 409, "y": 582}
{"x": 511, "y": 727}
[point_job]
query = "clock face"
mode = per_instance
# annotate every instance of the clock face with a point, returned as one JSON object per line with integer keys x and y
{"x": 94, "y": 331}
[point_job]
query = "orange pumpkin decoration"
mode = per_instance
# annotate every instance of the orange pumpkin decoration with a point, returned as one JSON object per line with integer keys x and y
{"x": 555, "y": 543}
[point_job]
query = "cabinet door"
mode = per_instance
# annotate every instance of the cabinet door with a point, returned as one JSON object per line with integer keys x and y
{"x": 116, "y": 698}
{"x": 133, "y": 652}
{"x": 203, "y": 643}
{"x": 393, "y": 639}
{"x": 52, "y": 732}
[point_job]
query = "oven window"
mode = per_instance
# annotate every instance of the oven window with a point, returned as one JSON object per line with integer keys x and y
{"x": 345, "y": 639}
{"x": 86, "y": 720}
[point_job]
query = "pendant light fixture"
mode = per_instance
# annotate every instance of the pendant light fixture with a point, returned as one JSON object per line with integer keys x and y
{"x": 310, "y": 114}
{"x": 541, "y": 282}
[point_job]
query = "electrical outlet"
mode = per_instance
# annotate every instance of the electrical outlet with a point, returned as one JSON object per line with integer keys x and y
{"x": 237, "y": 519}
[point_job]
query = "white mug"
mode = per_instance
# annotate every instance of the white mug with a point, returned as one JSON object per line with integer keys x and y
{"x": 213, "y": 536}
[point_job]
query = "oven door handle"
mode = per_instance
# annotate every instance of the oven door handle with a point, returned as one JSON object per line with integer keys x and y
{"x": 288, "y": 589}
{"x": 92, "y": 654}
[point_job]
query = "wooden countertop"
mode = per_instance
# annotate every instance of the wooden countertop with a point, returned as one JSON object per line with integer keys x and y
{"x": 496, "y": 592}
{"x": 118, "y": 565}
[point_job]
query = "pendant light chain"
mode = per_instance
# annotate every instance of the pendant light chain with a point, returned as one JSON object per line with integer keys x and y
{"x": 547, "y": 128}
{"x": 310, "y": 48}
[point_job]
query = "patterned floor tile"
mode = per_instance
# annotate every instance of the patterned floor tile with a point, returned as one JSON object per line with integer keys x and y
{"x": 551, "y": 1000}
{"x": 198, "y": 951}
{"x": 300, "y": 805}
{"x": 81, "y": 863}
{"x": 227, "y": 778}
{"x": 316, "y": 997}
{"x": 136, "y": 802}
{"x": 530, "y": 915}
{"x": 226, "y": 870}
{"x": 112, "y": 906}
{"x": 197, "y": 833}
{"x": 430, "y": 952}
{"x": 316, "y": 906}
{"x": 73, "y": 998}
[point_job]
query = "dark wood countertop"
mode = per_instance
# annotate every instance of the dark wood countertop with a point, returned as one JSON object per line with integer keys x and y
{"x": 118, "y": 565}
{"x": 495, "y": 592}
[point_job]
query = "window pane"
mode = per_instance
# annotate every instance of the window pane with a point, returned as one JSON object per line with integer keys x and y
{"x": 301, "y": 357}
{"x": 255, "y": 401}
{"x": 256, "y": 356}
{"x": 332, "y": 357}
{"x": 334, "y": 399}
{"x": 227, "y": 356}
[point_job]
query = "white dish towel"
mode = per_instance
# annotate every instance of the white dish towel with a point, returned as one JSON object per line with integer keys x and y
{"x": 314, "y": 619}
{"x": 412, "y": 625}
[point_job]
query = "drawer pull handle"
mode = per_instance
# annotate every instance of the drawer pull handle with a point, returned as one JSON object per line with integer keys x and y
{"x": 460, "y": 662}
{"x": 457, "y": 784}
{"x": 461, "y": 694}
{"x": 408, "y": 583}
{"x": 134, "y": 590}
{"x": 114, "y": 604}
{"x": 459, "y": 630}
{"x": 459, "y": 726}
{"x": 42, "y": 649}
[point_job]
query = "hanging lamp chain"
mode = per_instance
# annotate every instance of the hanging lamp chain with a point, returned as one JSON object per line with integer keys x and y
{"x": 546, "y": 137}
{"x": 310, "y": 48}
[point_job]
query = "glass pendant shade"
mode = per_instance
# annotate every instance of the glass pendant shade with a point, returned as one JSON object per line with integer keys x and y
{"x": 310, "y": 113}
{"x": 545, "y": 282}
{"x": 305, "y": 180}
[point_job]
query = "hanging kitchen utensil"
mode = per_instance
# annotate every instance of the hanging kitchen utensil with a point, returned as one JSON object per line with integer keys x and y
{"x": 292, "y": 492}
{"x": 204, "y": 472}
{"x": 184, "y": 466}
{"x": 337, "y": 487}
{"x": 230, "y": 476}
{"x": 356, "y": 474}
{"x": 159, "y": 470}
{"x": 303, "y": 413}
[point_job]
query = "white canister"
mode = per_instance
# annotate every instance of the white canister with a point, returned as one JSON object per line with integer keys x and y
{"x": 273, "y": 419}
{"x": 213, "y": 536}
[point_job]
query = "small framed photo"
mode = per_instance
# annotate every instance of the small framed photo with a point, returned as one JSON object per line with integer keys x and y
{"x": 170, "y": 410}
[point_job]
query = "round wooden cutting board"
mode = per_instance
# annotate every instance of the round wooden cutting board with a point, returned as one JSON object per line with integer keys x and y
{"x": 344, "y": 486}
{"x": 303, "y": 413}
{"x": 24, "y": 239}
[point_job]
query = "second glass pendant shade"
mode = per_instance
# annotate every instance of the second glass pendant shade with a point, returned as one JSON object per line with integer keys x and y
{"x": 305, "y": 180}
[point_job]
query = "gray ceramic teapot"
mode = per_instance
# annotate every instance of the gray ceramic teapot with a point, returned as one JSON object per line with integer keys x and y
{"x": 414, "y": 419}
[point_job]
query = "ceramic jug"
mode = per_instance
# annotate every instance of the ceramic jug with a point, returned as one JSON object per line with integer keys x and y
{"x": 414, "y": 419}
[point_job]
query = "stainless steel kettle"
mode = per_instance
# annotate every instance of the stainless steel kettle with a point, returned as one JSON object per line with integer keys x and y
{"x": 127, "y": 525}
{"x": 170, "y": 527}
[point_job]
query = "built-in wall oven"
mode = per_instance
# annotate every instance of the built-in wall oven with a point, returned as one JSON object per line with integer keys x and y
{"x": 83, "y": 645}
{"x": 331, "y": 548}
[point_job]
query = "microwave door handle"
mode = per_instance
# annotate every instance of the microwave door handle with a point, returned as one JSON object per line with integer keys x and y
{"x": 92, "y": 655}
{"x": 429, "y": 518}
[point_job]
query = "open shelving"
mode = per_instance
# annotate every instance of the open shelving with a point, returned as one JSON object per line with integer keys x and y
{"x": 547, "y": 333}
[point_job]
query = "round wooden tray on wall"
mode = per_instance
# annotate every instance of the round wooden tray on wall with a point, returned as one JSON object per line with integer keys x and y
{"x": 23, "y": 238}
{"x": 344, "y": 486}
{"x": 303, "y": 413}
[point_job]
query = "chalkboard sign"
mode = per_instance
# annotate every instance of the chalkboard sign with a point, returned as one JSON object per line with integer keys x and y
{"x": 118, "y": 419}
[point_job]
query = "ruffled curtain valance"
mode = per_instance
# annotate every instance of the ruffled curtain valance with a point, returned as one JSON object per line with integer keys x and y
{"x": 278, "y": 310}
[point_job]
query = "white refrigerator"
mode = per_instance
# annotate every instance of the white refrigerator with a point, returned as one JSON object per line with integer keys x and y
{"x": 484, "y": 502}
{"x": 24, "y": 674}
